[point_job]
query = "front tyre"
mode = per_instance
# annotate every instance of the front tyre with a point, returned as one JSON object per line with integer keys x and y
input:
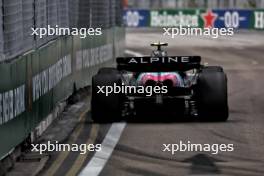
{"x": 211, "y": 92}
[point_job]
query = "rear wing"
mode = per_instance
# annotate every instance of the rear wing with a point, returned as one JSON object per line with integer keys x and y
{"x": 158, "y": 64}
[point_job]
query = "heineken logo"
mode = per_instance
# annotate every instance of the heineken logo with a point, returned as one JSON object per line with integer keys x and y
{"x": 163, "y": 18}
{"x": 196, "y": 18}
{"x": 259, "y": 19}
{"x": 209, "y": 18}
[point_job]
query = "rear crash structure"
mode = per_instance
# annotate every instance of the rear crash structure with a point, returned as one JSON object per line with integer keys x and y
{"x": 186, "y": 88}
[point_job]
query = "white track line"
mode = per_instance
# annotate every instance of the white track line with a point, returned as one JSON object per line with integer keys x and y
{"x": 100, "y": 158}
{"x": 97, "y": 163}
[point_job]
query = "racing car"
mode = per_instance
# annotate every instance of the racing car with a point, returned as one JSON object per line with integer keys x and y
{"x": 192, "y": 89}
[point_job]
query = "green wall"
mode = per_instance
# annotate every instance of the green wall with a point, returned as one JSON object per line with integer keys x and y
{"x": 32, "y": 85}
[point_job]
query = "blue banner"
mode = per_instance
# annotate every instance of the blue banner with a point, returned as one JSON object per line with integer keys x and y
{"x": 136, "y": 18}
{"x": 206, "y": 18}
{"x": 232, "y": 18}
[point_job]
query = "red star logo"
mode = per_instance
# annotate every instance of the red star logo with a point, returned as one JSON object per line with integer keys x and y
{"x": 209, "y": 18}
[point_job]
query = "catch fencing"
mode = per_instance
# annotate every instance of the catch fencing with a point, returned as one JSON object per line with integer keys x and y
{"x": 17, "y": 17}
{"x": 38, "y": 73}
{"x": 184, "y": 4}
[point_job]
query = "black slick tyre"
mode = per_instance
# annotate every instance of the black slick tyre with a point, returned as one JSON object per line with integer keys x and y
{"x": 211, "y": 93}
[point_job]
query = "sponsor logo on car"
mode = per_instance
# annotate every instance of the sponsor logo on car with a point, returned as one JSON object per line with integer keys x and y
{"x": 145, "y": 60}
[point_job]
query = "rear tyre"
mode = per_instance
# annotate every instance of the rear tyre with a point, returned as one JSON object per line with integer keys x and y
{"x": 105, "y": 109}
{"x": 211, "y": 94}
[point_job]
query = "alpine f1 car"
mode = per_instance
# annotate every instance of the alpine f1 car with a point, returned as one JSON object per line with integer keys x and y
{"x": 159, "y": 84}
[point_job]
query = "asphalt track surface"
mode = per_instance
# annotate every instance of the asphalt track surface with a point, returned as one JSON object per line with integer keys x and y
{"x": 139, "y": 150}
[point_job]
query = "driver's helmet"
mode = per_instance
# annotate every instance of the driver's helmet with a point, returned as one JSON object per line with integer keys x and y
{"x": 159, "y": 53}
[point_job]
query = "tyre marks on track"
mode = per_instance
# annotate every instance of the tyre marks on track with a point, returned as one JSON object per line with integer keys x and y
{"x": 63, "y": 155}
{"x": 82, "y": 157}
